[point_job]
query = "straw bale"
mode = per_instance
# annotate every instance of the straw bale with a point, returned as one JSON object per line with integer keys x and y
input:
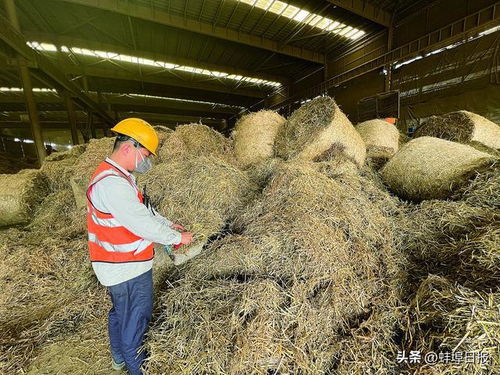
{"x": 20, "y": 194}
{"x": 97, "y": 150}
{"x": 431, "y": 168}
{"x": 462, "y": 127}
{"x": 446, "y": 318}
{"x": 57, "y": 167}
{"x": 381, "y": 138}
{"x": 254, "y": 136}
{"x": 58, "y": 215}
{"x": 483, "y": 148}
{"x": 317, "y": 131}
{"x": 194, "y": 140}
{"x": 200, "y": 193}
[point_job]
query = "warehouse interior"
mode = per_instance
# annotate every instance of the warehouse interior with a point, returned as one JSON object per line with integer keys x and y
{"x": 250, "y": 187}
{"x": 93, "y": 63}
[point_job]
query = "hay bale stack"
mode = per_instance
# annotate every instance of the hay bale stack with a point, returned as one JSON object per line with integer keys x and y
{"x": 317, "y": 131}
{"x": 324, "y": 244}
{"x": 445, "y": 317}
{"x": 57, "y": 167}
{"x": 381, "y": 138}
{"x": 20, "y": 194}
{"x": 254, "y": 136}
{"x": 194, "y": 140}
{"x": 462, "y": 127}
{"x": 200, "y": 193}
{"x": 431, "y": 168}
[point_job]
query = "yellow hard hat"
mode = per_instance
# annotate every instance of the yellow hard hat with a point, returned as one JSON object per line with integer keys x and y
{"x": 139, "y": 130}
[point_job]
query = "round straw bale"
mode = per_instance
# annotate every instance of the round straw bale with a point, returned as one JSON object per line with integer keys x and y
{"x": 317, "y": 131}
{"x": 254, "y": 136}
{"x": 57, "y": 167}
{"x": 430, "y": 168}
{"x": 194, "y": 140}
{"x": 462, "y": 127}
{"x": 200, "y": 193}
{"x": 20, "y": 194}
{"x": 381, "y": 138}
{"x": 447, "y": 318}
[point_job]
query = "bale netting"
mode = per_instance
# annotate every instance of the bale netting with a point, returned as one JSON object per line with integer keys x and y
{"x": 432, "y": 168}
{"x": 202, "y": 193}
{"x": 317, "y": 131}
{"x": 455, "y": 240}
{"x": 462, "y": 127}
{"x": 57, "y": 167}
{"x": 254, "y": 136}
{"x": 381, "y": 138}
{"x": 194, "y": 140}
{"x": 20, "y": 194}
{"x": 328, "y": 251}
{"x": 448, "y": 318}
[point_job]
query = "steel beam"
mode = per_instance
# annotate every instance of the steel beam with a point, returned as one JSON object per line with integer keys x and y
{"x": 72, "y": 119}
{"x": 46, "y": 71}
{"x": 366, "y": 10}
{"x": 159, "y": 16}
{"x": 59, "y": 40}
{"x": 457, "y": 31}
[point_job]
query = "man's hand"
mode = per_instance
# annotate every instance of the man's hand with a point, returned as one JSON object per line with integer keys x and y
{"x": 186, "y": 238}
{"x": 178, "y": 227}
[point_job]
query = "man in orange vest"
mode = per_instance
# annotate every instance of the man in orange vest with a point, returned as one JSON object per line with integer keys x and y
{"x": 122, "y": 231}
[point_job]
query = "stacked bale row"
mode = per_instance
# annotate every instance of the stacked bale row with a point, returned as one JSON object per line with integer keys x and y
{"x": 452, "y": 233}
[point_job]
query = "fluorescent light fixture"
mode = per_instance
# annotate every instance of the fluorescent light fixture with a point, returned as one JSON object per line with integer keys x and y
{"x": 46, "y": 47}
{"x": 28, "y": 141}
{"x": 17, "y": 140}
{"x": 301, "y": 15}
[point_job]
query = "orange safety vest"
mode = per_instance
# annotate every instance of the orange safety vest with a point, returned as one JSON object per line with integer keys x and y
{"x": 109, "y": 241}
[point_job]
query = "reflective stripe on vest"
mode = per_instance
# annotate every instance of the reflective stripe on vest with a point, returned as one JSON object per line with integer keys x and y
{"x": 108, "y": 240}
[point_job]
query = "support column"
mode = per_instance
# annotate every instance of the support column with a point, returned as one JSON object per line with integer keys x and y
{"x": 36, "y": 129}
{"x": 72, "y": 119}
{"x": 388, "y": 68}
{"x": 91, "y": 125}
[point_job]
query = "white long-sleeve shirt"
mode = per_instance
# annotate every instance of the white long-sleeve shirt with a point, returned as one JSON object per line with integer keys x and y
{"x": 116, "y": 196}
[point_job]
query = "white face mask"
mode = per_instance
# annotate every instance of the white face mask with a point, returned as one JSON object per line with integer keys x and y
{"x": 144, "y": 165}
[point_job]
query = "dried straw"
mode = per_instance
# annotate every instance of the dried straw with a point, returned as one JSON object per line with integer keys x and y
{"x": 20, "y": 194}
{"x": 462, "y": 127}
{"x": 319, "y": 130}
{"x": 380, "y": 137}
{"x": 200, "y": 193}
{"x": 453, "y": 239}
{"x": 254, "y": 136}
{"x": 313, "y": 254}
{"x": 194, "y": 140}
{"x": 483, "y": 190}
{"x": 431, "y": 168}
{"x": 57, "y": 167}
{"x": 451, "y": 318}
